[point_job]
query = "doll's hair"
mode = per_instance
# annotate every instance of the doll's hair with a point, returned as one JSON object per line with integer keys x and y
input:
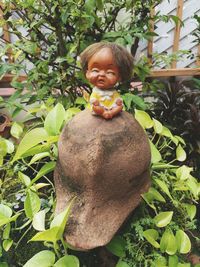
{"x": 123, "y": 59}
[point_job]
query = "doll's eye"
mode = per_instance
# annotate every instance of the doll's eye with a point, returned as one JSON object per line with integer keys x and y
{"x": 110, "y": 72}
{"x": 95, "y": 70}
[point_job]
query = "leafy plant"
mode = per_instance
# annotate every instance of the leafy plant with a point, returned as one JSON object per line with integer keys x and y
{"x": 27, "y": 204}
{"x": 160, "y": 232}
{"x": 178, "y": 106}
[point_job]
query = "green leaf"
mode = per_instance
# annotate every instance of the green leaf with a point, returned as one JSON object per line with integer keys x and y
{"x": 180, "y": 153}
{"x": 37, "y": 149}
{"x": 31, "y": 139}
{"x": 48, "y": 167}
{"x": 156, "y": 195}
{"x": 143, "y": 118}
{"x": 31, "y": 204}
{"x": 10, "y": 146}
{"x": 193, "y": 186}
{"x": 44, "y": 258}
{"x": 50, "y": 235}
{"x": 70, "y": 112}
{"x": 164, "y": 187}
{"x": 129, "y": 98}
{"x": 54, "y": 120}
{"x": 16, "y": 130}
{"x": 183, "y": 242}
{"x": 39, "y": 220}
{"x": 80, "y": 101}
{"x": 117, "y": 246}
{"x": 39, "y": 156}
{"x": 3, "y": 147}
{"x": 173, "y": 261}
{"x": 180, "y": 139}
{"x": 155, "y": 154}
{"x": 163, "y": 218}
{"x": 6, "y": 231}
{"x": 68, "y": 260}
{"x": 24, "y": 178}
{"x": 7, "y": 244}
{"x": 122, "y": 264}
{"x": 151, "y": 236}
{"x": 191, "y": 210}
{"x": 158, "y": 127}
{"x": 160, "y": 262}
{"x": 183, "y": 172}
{"x": 166, "y": 132}
{"x": 5, "y": 220}
{"x": 5, "y": 211}
{"x": 168, "y": 242}
{"x": 61, "y": 219}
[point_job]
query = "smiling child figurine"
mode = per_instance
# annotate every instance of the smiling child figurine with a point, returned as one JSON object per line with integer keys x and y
{"x": 105, "y": 65}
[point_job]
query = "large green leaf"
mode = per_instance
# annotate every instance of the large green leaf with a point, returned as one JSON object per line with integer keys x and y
{"x": 5, "y": 220}
{"x": 50, "y": 235}
{"x": 183, "y": 242}
{"x": 183, "y": 172}
{"x": 31, "y": 204}
{"x": 30, "y": 140}
{"x": 24, "y": 178}
{"x": 158, "y": 127}
{"x": 173, "y": 261}
{"x": 7, "y": 244}
{"x": 151, "y": 236}
{"x": 5, "y": 210}
{"x": 163, "y": 186}
{"x": 117, "y": 246}
{"x": 54, "y": 120}
{"x": 180, "y": 153}
{"x": 191, "y": 210}
{"x": 39, "y": 220}
{"x": 163, "y": 218}
{"x": 16, "y": 130}
{"x": 155, "y": 154}
{"x": 70, "y": 112}
{"x": 39, "y": 156}
{"x": 144, "y": 119}
{"x": 68, "y": 260}
{"x": 44, "y": 258}
{"x": 61, "y": 219}
{"x": 168, "y": 242}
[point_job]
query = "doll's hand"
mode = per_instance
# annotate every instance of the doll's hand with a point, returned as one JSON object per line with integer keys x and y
{"x": 119, "y": 102}
{"x": 96, "y": 103}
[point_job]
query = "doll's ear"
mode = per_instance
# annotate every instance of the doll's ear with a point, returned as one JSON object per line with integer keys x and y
{"x": 87, "y": 74}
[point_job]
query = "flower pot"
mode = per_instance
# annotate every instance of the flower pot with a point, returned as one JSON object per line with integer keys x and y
{"x": 4, "y": 126}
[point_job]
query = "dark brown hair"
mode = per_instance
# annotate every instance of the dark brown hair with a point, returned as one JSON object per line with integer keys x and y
{"x": 122, "y": 57}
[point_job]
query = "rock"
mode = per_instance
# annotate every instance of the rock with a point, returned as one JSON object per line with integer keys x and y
{"x": 105, "y": 164}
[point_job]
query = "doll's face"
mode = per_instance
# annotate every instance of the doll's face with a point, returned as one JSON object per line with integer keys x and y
{"x": 102, "y": 71}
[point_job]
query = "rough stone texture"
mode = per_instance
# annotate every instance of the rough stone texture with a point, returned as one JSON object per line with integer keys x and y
{"x": 105, "y": 163}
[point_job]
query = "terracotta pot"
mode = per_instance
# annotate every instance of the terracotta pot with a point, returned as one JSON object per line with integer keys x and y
{"x": 4, "y": 126}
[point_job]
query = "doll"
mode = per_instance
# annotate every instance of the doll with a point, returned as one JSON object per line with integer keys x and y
{"x": 105, "y": 65}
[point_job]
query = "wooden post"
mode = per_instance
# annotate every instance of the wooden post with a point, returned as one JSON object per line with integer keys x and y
{"x": 179, "y": 14}
{"x": 198, "y": 56}
{"x": 150, "y": 42}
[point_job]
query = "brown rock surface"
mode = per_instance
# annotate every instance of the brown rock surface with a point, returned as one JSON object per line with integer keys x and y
{"x": 106, "y": 165}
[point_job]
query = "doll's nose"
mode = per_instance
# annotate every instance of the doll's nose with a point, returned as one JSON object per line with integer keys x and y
{"x": 102, "y": 73}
